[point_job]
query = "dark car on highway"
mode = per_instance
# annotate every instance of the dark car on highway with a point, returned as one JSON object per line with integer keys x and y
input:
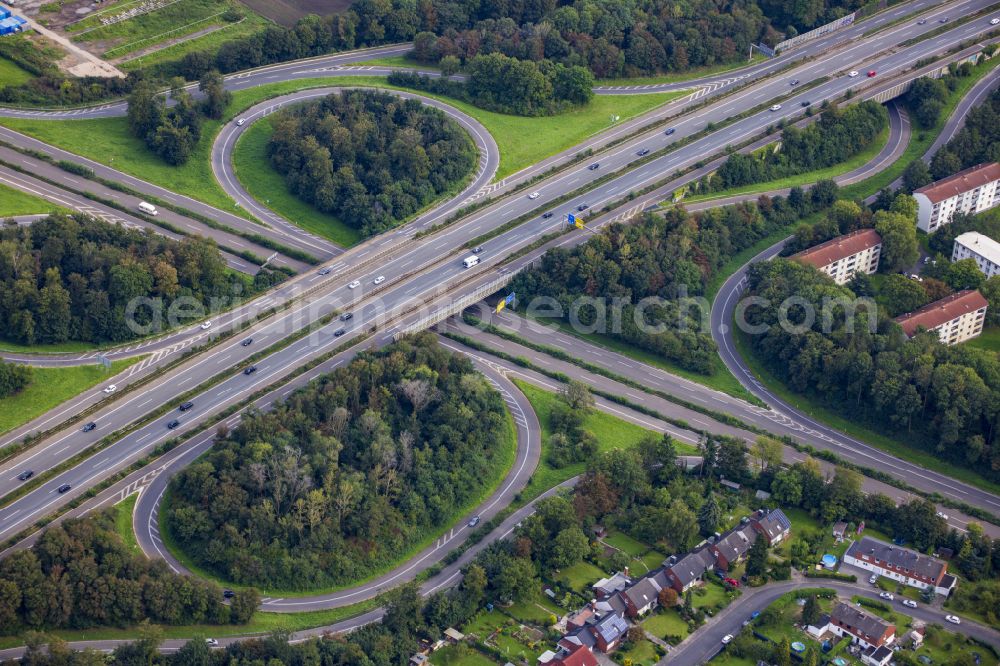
{"x": 670, "y": 131}
{"x": 247, "y": 342}
{"x": 64, "y": 488}
{"x": 339, "y": 332}
{"x": 186, "y": 406}
{"x": 25, "y": 475}
{"x": 806, "y": 102}
{"x": 90, "y": 426}
{"x": 582, "y": 207}
{"x": 249, "y": 371}
{"x": 173, "y": 424}
{"x": 642, "y": 152}
{"x": 595, "y": 166}
{"x": 546, "y": 216}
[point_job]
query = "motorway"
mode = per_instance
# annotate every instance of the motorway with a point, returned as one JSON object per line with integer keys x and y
{"x": 418, "y": 268}
{"x": 430, "y": 263}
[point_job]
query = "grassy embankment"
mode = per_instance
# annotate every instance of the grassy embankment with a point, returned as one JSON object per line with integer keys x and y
{"x": 51, "y": 386}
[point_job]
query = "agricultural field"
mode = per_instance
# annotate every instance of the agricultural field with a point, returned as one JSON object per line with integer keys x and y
{"x": 287, "y": 12}
{"x": 128, "y": 31}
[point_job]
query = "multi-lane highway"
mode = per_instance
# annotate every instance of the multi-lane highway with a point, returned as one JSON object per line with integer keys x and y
{"x": 422, "y": 266}
{"x": 418, "y": 269}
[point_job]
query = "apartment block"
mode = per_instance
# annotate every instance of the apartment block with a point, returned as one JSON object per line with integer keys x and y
{"x": 972, "y": 190}
{"x": 843, "y": 256}
{"x": 954, "y": 318}
{"x": 983, "y": 249}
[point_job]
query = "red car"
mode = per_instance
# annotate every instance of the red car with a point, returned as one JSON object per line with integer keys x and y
{"x": 731, "y": 581}
{"x": 871, "y": 73}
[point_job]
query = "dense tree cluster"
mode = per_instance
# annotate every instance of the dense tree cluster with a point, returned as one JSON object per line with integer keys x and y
{"x": 946, "y": 399}
{"x": 72, "y": 278}
{"x": 346, "y": 474}
{"x": 508, "y": 85}
{"x": 371, "y": 158}
{"x": 666, "y": 257}
{"x": 13, "y": 378}
{"x": 838, "y": 135}
{"x": 81, "y": 574}
{"x": 613, "y": 39}
{"x": 173, "y": 133}
{"x": 978, "y": 141}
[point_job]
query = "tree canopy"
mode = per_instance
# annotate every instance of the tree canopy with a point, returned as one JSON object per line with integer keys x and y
{"x": 346, "y": 474}
{"x": 72, "y": 278}
{"x": 370, "y": 158}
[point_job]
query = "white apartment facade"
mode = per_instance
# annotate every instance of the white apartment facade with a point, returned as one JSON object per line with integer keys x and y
{"x": 955, "y": 318}
{"x": 983, "y": 249}
{"x": 972, "y": 190}
{"x": 843, "y": 256}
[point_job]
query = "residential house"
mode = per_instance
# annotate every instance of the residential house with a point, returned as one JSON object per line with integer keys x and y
{"x": 576, "y": 655}
{"x": 982, "y": 249}
{"x": 641, "y": 597}
{"x": 955, "y": 318}
{"x": 688, "y": 570}
{"x": 901, "y": 564}
{"x": 733, "y": 546}
{"x": 861, "y": 627}
{"x": 843, "y": 256}
{"x": 773, "y": 525}
{"x": 969, "y": 191}
{"x": 609, "y": 632}
{"x": 607, "y": 587}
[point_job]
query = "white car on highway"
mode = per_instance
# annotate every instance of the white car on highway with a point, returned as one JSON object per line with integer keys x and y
{"x": 110, "y": 388}
{"x": 954, "y": 619}
{"x": 534, "y": 195}
{"x": 776, "y": 107}
{"x": 207, "y": 325}
{"x": 995, "y": 21}
{"x": 727, "y": 639}
{"x": 354, "y": 285}
{"x": 379, "y": 280}
{"x": 852, "y": 73}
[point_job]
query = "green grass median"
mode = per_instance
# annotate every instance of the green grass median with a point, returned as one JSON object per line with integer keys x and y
{"x": 16, "y": 202}
{"x": 51, "y": 386}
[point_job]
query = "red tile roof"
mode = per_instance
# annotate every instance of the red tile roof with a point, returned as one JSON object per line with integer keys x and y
{"x": 961, "y": 182}
{"x": 578, "y": 655}
{"x": 839, "y": 248}
{"x": 944, "y": 310}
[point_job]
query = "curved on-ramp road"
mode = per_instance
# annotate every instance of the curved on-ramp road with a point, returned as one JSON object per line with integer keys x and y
{"x": 145, "y": 520}
{"x": 227, "y": 138}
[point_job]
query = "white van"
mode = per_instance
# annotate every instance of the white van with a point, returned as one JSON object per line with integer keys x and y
{"x": 147, "y": 208}
{"x": 469, "y": 262}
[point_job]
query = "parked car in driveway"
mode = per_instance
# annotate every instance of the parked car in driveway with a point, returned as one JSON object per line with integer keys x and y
{"x": 887, "y": 596}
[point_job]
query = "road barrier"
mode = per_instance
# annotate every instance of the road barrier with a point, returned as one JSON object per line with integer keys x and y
{"x": 813, "y": 34}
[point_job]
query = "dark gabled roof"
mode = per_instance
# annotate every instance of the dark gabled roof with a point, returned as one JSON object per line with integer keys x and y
{"x": 736, "y": 542}
{"x": 611, "y": 627}
{"x": 642, "y": 593}
{"x": 581, "y": 636}
{"x": 857, "y": 619}
{"x": 613, "y": 604}
{"x": 774, "y": 523}
{"x": 692, "y": 566}
{"x": 902, "y": 558}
